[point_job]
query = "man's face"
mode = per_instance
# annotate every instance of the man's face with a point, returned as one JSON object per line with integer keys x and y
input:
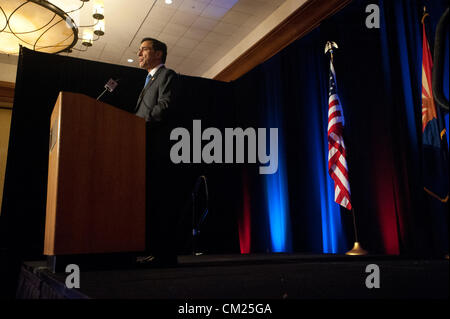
{"x": 148, "y": 57}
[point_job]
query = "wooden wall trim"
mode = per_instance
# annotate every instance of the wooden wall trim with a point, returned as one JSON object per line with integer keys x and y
{"x": 6, "y": 94}
{"x": 297, "y": 25}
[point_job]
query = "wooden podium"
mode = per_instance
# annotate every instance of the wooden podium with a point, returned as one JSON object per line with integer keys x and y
{"x": 96, "y": 179}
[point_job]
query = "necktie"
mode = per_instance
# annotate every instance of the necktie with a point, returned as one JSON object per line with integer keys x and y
{"x": 143, "y": 89}
{"x": 147, "y": 79}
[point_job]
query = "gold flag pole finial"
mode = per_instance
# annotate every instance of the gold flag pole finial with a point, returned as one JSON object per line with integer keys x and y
{"x": 329, "y": 47}
{"x": 425, "y": 14}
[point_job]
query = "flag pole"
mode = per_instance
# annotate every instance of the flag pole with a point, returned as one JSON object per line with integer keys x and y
{"x": 429, "y": 192}
{"x": 425, "y": 14}
{"x": 357, "y": 249}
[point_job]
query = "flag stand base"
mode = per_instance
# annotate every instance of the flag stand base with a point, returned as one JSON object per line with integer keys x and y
{"x": 357, "y": 250}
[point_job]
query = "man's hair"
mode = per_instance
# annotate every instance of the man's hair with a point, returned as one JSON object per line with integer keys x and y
{"x": 158, "y": 46}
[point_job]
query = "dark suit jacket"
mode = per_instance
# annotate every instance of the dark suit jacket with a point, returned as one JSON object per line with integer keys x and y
{"x": 157, "y": 95}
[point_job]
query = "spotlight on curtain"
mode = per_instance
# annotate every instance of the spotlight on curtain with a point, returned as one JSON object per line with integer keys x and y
{"x": 45, "y": 26}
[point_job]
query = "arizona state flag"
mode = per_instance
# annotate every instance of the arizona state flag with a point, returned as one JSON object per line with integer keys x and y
{"x": 433, "y": 134}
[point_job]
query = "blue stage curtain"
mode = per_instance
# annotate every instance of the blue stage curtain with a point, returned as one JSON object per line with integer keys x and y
{"x": 379, "y": 81}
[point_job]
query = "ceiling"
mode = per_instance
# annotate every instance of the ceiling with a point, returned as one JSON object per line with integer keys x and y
{"x": 198, "y": 33}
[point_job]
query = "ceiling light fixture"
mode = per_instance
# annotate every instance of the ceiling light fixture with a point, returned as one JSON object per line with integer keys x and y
{"x": 168, "y": 1}
{"x": 44, "y": 26}
{"x": 130, "y": 60}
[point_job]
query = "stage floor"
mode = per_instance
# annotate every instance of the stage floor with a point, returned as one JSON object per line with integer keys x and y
{"x": 257, "y": 276}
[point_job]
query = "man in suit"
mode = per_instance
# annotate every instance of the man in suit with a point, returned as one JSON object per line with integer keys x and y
{"x": 154, "y": 104}
{"x": 157, "y": 94}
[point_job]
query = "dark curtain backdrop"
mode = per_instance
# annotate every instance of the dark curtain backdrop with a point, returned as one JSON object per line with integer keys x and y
{"x": 378, "y": 78}
{"x": 379, "y": 83}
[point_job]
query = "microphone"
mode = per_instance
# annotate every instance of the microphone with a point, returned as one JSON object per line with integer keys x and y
{"x": 109, "y": 86}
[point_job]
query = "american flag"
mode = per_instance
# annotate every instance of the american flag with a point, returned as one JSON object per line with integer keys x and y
{"x": 337, "y": 163}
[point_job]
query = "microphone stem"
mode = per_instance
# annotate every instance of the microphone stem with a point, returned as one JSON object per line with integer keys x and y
{"x": 102, "y": 94}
